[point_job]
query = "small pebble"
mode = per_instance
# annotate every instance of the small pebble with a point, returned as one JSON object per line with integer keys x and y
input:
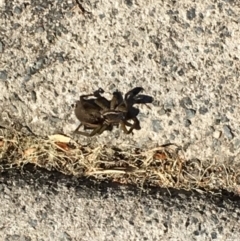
{"x": 39, "y": 30}
{"x": 156, "y": 125}
{"x": 27, "y": 77}
{"x": 187, "y": 123}
{"x": 172, "y": 137}
{"x": 216, "y": 145}
{"x": 1, "y": 47}
{"x": 224, "y": 119}
{"x": 214, "y": 235}
{"x": 34, "y": 96}
{"x": 169, "y": 105}
{"x": 128, "y": 2}
{"x": 162, "y": 112}
{"x": 228, "y": 132}
{"x": 237, "y": 143}
{"x": 17, "y": 10}
{"x": 199, "y": 30}
{"x": 196, "y": 233}
{"x": 38, "y": 65}
{"x": 101, "y": 16}
{"x": 191, "y": 14}
{"x": 33, "y": 222}
{"x": 185, "y": 102}
{"x": 181, "y": 72}
{"x": 114, "y": 11}
{"x": 217, "y": 121}
{"x": 3, "y": 75}
{"x": 190, "y": 113}
{"x": 217, "y": 134}
{"x": 203, "y": 110}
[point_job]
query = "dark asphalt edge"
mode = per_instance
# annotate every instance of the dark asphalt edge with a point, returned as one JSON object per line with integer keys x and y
{"x": 36, "y": 178}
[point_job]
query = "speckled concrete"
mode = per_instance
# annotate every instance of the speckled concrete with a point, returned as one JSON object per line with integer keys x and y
{"x": 184, "y": 54}
{"x": 47, "y": 206}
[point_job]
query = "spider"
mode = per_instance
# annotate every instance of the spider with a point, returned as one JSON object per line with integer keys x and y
{"x": 99, "y": 114}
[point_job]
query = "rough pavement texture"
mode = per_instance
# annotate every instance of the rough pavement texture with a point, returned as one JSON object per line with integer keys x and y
{"x": 47, "y": 206}
{"x": 185, "y": 54}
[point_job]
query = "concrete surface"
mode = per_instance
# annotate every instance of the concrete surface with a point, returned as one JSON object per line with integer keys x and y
{"x": 184, "y": 53}
{"x": 38, "y": 205}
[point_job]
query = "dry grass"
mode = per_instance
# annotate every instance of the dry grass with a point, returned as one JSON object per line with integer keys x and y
{"x": 163, "y": 166}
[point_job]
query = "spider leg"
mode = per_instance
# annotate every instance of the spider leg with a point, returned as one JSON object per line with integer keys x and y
{"x": 135, "y": 125}
{"x": 97, "y": 130}
{"x": 132, "y": 93}
{"x": 83, "y": 133}
{"x": 102, "y": 102}
{"x": 94, "y": 131}
{"x": 96, "y": 93}
{"x": 127, "y": 123}
{"x": 123, "y": 127}
{"x": 114, "y": 101}
{"x": 118, "y": 94}
{"x": 83, "y": 97}
{"x": 103, "y": 128}
{"x": 78, "y": 128}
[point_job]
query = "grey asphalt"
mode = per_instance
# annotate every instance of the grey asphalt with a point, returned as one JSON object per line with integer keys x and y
{"x": 40, "y": 205}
